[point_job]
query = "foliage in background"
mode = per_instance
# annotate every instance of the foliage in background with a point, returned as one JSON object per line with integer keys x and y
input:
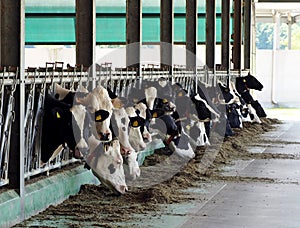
{"x": 264, "y": 36}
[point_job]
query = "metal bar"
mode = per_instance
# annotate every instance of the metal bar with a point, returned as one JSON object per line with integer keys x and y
{"x": 237, "y": 35}
{"x": 247, "y": 34}
{"x": 166, "y": 33}
{"x": 225, "y": 52}
{"x": 133, "y": 33}
{"x": 191, "y": 33}
{"x": 210, "y": 33}
{"x": 85, "y": 32}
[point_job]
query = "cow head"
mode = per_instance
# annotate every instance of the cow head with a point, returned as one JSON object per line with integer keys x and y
{"x": 135, "y": 135}
{"x": 106, "y": 163}
{"x": 120, "y": 123}
{"x": 253, "y": 83}
{"x": 248, "y": 82}
{"x": 226, "y": 93}
{"x": 99, "y": 104}
{"x": 131, "y": 166}
{"x": 81, "y": 122}
{"x": 151, "y": 94}
{"x": 142, "y": 110}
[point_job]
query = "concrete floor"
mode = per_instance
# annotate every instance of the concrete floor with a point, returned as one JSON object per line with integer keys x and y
{"x": 269, "y": 198}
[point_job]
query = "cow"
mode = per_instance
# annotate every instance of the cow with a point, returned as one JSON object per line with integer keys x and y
{"x": 118, "y": 126}
{"x": 187, "y": 114}
{"x": 247, "y": 82}
{"x": 97, "y": 103}
{"x": 243, "y": 84}
{"x": 106, "y": 163}
{"x": 57, "y": 128}
{"x": 142, "y": 112}
{"x": 131, "y": 166}
{"x": 161, "y": 112}
{"x": 64, "y": 124}
{"x": 135, "y": 136}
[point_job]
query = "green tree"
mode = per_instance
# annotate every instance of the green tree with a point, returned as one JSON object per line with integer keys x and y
{"x": 296, "y": 36}
{"x": 264, "y": 35}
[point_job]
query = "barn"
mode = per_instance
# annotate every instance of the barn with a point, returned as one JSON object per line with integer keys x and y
{"x": 149, "y": 113}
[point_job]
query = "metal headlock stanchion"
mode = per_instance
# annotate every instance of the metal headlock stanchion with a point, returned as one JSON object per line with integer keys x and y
{"x": 28, "y": 120}
{"x": 9, "y": 119}
{"x": 1, "y": 102}
{"x": 35, "y": 145}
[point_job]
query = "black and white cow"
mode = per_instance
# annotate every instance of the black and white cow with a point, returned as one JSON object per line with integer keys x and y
{"x": 64, "y": 124}
{"x": 119, "y": 124}
{"x": 243, "y": 86}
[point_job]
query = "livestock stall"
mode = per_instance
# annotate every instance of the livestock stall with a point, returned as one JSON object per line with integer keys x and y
{"x": 30, "y": 198}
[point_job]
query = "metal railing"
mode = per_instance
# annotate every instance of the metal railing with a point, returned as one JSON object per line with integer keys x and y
{"x": 40, "y": 80}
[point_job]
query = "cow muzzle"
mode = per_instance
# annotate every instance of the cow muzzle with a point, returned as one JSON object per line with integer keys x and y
{"x": 104, "y": 136}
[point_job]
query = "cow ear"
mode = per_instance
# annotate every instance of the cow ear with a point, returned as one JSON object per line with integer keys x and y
{"x": 101, "y": 115}
{"x": 137, "y": 112}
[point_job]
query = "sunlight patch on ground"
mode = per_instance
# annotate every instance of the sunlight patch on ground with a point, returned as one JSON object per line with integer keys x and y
{"x": 284, "y": 113}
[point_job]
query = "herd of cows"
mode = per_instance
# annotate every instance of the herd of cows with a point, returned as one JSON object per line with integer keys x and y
{"x": 108, "y": 131}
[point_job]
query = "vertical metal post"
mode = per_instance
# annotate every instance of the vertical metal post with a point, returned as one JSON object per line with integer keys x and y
{"x": 11, "y": 34}
{"x": 253, "y": 39}
{"x": 191, "y": 33}
{"x": 247, "y": 34}
{"x": 290, "y": 23}
{"x": 210, "y": 33}
{"x": 276, "y": 46}
{"x": 133, "y": 34}
{"x": 22, "y": 107}
{"x": 86, "y": 34}
{"x": 225, "y": 52}
{"x": 237, "y": 35}
{"x": 166, "y": 34}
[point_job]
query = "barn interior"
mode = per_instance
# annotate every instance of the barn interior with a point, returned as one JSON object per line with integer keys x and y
{"x": 115, "y": 43}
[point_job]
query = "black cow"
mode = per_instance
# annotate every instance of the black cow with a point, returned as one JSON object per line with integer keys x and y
{"x": 247, "y": 82}
{"x": 60, "y": 127}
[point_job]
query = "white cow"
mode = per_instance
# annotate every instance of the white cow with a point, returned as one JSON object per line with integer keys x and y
{"x": 142, "y": 108}
{"x": 106, "y": 163}
{"x": 135, "y": 135}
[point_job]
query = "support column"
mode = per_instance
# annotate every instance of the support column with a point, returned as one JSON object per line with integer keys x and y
{"x": 290, "y": 23}
{"x": 210, "y": 33}
{"x": 191, "y": 33}
{"x": 225, "y": 52}
{"x": 237, "y": 35}
{"x": 85, "y": 32}
{"x": 166, "y": 34}
{"x": 133, "y": 33}
{"x": 12, "y": 54}
{"x": 247, "y": 34}
{"x": 276, "y": 46}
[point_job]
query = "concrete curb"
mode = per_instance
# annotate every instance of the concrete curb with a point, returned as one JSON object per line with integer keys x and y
{"x": 42, "y": 194}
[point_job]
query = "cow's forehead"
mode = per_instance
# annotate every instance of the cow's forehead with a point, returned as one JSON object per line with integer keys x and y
{"x": 150, "y": 92}
{"x": 121, "y": 116}
{"x": 141, "y": 106}
{"x": 131, "y": 111}
{"x": 103, "y": 98}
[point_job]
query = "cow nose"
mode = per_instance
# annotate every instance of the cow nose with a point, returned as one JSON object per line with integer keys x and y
{"x": 104, "y": 136}
{"x": 146, "y": 140}
{"x": 126, "y": 150}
